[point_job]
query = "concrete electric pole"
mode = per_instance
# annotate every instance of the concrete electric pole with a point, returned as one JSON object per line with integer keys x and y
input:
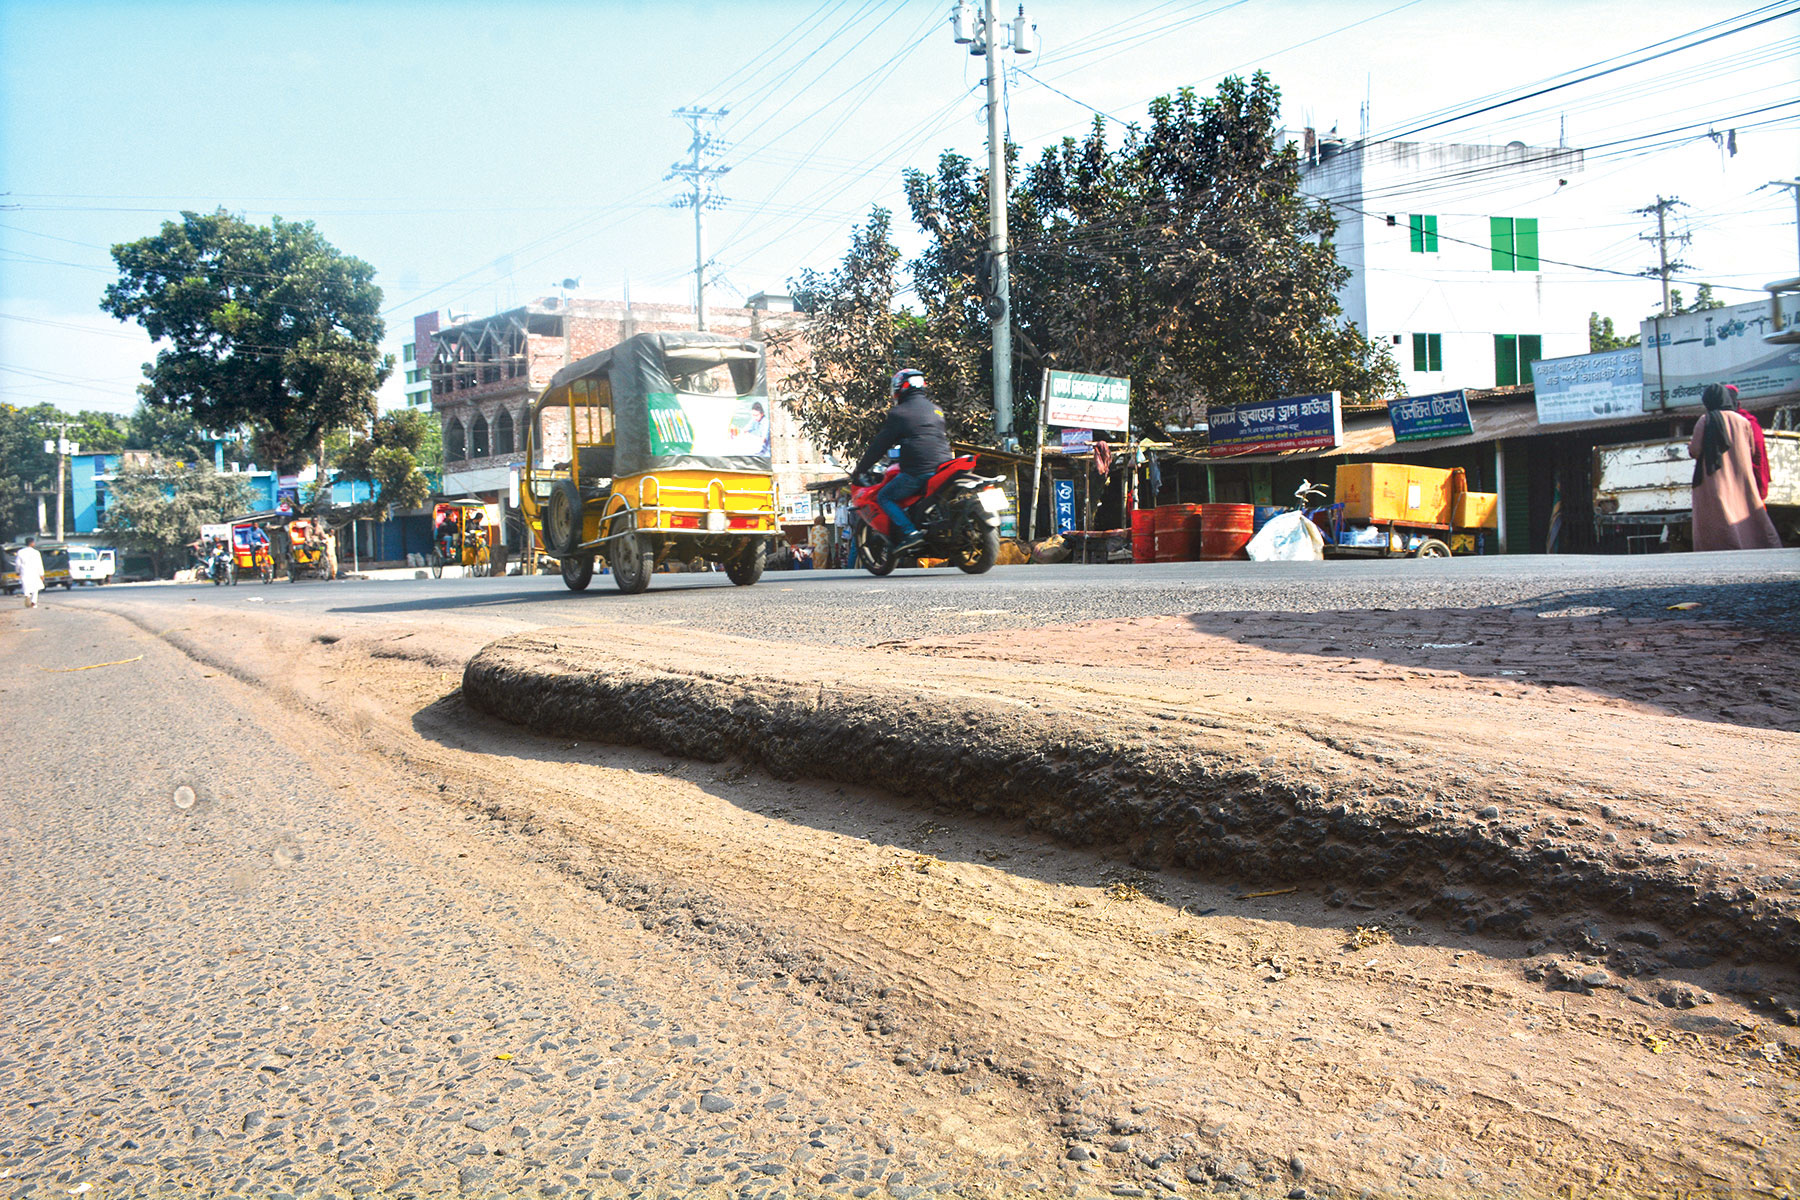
{"x": 1794, "y": 186}
{"x": 984, "y": 34}
{"x": 700, "y": 172}
{"x": 1661, "y": 211}
{"x": 62, "y": 447}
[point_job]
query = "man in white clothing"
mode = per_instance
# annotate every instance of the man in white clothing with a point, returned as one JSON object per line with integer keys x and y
{"x": 31, "y": 571}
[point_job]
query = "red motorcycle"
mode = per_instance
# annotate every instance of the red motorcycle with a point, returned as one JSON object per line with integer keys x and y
{"x": 958, "y": 512}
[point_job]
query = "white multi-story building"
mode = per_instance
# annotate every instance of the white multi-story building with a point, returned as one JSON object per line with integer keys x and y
{"x": 1447, "y": 245}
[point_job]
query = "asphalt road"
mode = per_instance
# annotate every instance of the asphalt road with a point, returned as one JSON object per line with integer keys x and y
{"x": 854, "y": 608}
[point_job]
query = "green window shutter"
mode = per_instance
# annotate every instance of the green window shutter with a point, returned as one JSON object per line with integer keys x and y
{"x": 1525, "y": 234}
{"x": 1421, "y": 361}
{"x": 1416, "y": 224}
{"x": 1506, "y": 360}
{"x": 1531, "y": 346}
{"x": 1500, "y": 229}
{"x": 1435, "y": 350}
{"x": 1431, "y": 235}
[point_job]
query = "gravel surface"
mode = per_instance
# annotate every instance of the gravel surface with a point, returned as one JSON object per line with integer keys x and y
{"x": 227, "y": 972}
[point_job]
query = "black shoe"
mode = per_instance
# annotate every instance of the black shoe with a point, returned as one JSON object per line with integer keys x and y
{"x": 910, "y": 542}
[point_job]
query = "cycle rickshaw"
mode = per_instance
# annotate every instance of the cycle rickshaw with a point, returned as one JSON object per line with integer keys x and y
{"x": 466, "y": 534}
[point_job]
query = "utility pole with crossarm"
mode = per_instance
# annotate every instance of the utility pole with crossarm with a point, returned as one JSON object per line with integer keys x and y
{"x": 983, "y": 34}
{"x": 700, "y": 171}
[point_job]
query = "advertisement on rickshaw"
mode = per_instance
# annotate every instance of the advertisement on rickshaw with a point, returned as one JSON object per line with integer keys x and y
{"x": 708, "y": 425}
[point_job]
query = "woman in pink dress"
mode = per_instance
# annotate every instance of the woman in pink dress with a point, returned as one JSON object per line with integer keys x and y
{"x": 1728, "y": 507}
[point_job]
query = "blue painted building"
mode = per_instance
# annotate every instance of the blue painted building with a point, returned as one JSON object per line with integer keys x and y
{"x": 91, "y": 474}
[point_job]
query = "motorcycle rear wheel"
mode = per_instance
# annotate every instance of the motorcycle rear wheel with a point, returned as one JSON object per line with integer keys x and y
{"x": 982, "y": 549}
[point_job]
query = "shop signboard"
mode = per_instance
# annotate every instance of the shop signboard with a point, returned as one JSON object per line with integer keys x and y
{"x": 1293, "y": 423}
{"x": 1589, "y": 387}
{"x": 1087, "y": 401}
{"x": 1436, "y": 415}
{"x": 1682, "y": 354}
{"x": 1064, "y": 491}
{"x": 1077, "y": 439}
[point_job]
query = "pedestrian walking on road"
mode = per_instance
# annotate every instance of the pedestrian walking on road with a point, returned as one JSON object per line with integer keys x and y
{"x": 31, "y": 571}
{"x": 1759, "y": 448}
{"x": 819, "y": 539}
{"x": 1728, "y": 507}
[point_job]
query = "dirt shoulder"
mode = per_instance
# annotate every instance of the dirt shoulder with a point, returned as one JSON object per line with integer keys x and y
{"x": 1051, "y": 997}
{"x": 1497, "y": 802}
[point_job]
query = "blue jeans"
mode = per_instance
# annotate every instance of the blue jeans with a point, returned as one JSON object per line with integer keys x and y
{"x": 900, "y": 487}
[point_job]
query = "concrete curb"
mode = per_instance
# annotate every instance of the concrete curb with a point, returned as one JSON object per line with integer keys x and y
{"x": 1148, "y": 796}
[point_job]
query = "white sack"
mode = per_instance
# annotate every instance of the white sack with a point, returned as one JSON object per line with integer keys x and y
{"x": 1289, "y": 537}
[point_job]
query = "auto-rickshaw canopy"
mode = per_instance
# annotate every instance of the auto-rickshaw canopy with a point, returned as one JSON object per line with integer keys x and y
{"x": 679, "y": 401}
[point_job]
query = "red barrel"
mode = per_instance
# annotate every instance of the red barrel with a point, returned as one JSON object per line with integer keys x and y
{"x": 1225, "y": 529}
{"x": 1177, "y": 532}
{"x": 1143, "y": 535}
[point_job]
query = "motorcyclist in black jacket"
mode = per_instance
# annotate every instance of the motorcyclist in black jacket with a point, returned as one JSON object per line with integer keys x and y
{"x": 916, "y": 425}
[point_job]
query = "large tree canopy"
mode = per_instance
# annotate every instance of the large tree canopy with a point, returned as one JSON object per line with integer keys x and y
{"x": 1184, "y": 257}
{"x": 269, "y": 326}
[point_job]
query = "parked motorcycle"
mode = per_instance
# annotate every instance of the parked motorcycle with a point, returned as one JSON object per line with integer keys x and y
{"x": 958, "y": 512}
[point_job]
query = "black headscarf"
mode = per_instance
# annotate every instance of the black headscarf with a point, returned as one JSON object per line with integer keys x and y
{"x": 1716, "y": 440}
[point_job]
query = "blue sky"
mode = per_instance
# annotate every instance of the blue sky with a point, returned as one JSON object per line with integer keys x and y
{"x": 476, "y": 154}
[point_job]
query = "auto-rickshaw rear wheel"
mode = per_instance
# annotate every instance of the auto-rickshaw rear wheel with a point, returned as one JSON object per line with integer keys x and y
{"x": 437, "y": 565}
{"x": 631, "y": 560}
{"x": 745, "y": 567}
{"x": 578, "y": 571}
{"x": 1432, "y": 548}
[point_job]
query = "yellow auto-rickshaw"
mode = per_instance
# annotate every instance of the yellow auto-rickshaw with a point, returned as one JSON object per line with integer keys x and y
{"x": 654, "y": 450}
{"x": 56, "y": 566}
{"x": 466, "y": 533}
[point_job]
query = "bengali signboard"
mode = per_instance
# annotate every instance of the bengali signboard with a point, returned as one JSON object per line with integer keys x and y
{"x": 1437, "y": 415}
{"x": 1682, "y": 354}
{"x": 1588, "y": 387}
{"x": 1087, "y": 401}
{"x": 1077, "y": 439}
{"x": 1064, "y": 492}
{"x": 1295, "y": 423}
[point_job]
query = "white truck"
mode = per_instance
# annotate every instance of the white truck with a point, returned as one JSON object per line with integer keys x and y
{"x": 1645, "y": 489}
{"x": 92, "y": 564}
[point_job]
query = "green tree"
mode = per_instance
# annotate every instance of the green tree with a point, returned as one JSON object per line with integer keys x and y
{"x": 1602, "y": 336}
{"x": 387, "y": 457}
{"x": 159, "y": 510}
{"x": 1704, "y": 301}
{"x": 270, "y": 327}
{"x": 1185, "y": 257}
{"x": 838, "y": 391}
{"x": 1188, "y": 258}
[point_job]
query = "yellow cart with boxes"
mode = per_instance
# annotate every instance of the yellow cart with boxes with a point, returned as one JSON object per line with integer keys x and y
{"x": 1398, "y": 510}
